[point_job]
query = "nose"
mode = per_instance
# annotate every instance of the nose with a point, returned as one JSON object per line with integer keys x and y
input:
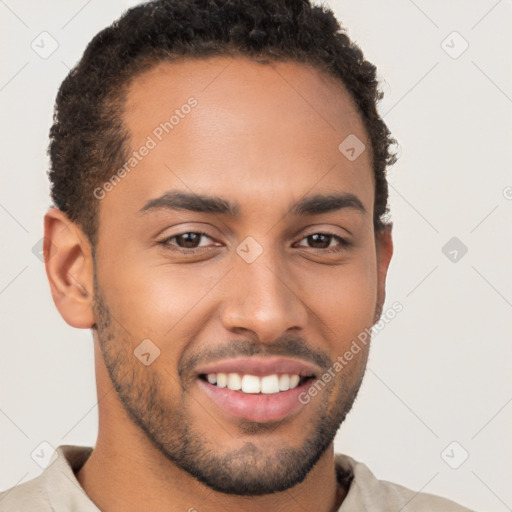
{"x": 262, "y": 297}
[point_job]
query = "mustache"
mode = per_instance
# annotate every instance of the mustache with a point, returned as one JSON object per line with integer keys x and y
{"x": 293, "y": 347}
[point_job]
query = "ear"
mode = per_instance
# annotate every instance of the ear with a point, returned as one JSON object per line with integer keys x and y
{"x": 69, "y": 267}
{"x": 384, "y": 251}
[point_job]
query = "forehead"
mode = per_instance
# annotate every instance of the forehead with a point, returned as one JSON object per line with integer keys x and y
{"x": 242, "y": 130}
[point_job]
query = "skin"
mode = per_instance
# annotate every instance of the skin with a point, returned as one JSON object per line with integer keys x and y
{"x": 263, "y": 137}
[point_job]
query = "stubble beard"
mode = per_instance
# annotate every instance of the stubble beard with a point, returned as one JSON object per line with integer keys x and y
{"x": 257, "y": 468}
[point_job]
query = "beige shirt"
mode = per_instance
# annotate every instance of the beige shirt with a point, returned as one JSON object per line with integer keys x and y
{"x": 58, "y": 490}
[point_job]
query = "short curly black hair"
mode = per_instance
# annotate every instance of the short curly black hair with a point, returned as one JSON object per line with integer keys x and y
{"x": 88, "y": 140}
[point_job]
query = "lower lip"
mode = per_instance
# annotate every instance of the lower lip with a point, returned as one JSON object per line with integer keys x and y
{"x": 255, "y": 407}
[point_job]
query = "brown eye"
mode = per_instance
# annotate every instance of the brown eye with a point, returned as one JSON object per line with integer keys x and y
{"x": 324, "y": 241}
{"x": 189, "y": 240}
{"x": 319, "y": 240}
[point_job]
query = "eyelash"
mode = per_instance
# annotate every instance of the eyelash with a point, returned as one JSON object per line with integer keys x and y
{"x": 344, "y": 244}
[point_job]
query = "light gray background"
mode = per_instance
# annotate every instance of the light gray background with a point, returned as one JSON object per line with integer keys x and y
{"x": 438, "y": 373}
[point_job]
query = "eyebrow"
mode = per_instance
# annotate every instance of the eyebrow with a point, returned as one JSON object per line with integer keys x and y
{"x": 313, "y": 205}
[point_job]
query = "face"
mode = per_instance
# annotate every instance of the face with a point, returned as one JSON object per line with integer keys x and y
{"x": 216, "y": 248}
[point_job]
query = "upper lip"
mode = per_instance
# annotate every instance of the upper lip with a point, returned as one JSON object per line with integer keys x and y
{"x": 260, "y": 366}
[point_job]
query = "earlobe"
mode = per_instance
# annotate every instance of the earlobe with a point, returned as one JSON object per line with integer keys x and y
{"x": 69, "y": 267}
{"x": 384, "y": 251}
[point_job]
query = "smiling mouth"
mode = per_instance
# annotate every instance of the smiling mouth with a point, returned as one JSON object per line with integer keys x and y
{"x": 254, "y": 384}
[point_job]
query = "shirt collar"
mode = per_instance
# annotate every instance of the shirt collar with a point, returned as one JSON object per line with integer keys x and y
{"x": 60, "y": 483}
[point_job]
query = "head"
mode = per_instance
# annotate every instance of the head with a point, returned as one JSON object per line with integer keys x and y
{"x": 206, "y": 210}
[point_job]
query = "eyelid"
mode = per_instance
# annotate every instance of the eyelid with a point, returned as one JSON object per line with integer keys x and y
{"x": 342, "y": 241}
{"x": 166, "y": 239}
{"x": 322, "y": 232}
{"x": 328, "y": 229}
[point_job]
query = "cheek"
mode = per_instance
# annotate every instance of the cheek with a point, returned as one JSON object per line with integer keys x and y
{"x": 155, "y": 301}
{"x": 342, "y": 299}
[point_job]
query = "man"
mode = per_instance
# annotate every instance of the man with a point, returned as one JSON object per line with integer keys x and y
{"x": 218, "y": 174}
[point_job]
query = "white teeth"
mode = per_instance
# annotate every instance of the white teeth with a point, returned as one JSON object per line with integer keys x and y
{"x": 222, "y": 380}
{"x": 294, "y": 381}
{"x": 269, "y": 384}
{"x": 284, "y": 382}
{"x": 234, "y": 381}
{"x": 251, "y": 384}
